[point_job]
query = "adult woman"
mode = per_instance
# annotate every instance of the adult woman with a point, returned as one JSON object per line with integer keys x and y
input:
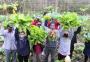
{"x": 51, "y": 44}
{"x": 23, "y": 48}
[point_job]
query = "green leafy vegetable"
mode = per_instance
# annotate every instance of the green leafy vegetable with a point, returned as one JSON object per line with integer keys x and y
{"x": 37, "y": 35}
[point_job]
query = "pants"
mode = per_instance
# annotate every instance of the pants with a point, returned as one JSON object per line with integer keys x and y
{"x": 61, "y": 57}
{"x": 36, "y": 57}
{"x": 8, "y": 55}
{"x": 23, "y": 58}
{"x": 71, "y": 51}
{"x": 52, "y": 51}
{"x": 86, "y": 59}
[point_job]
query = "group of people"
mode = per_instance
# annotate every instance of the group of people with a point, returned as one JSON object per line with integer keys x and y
{"x": 59, "y": 41}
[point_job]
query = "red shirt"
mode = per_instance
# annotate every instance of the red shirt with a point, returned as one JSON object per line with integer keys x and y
{"x": 38, "y": 48}
{"x": 56, "y": 24}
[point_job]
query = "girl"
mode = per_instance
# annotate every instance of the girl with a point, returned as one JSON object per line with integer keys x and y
{"x": 51, "y": 44}
{"x": 64, "y": 46}
{"x": 37, "y": 48}
{"x": 23, "y": 48}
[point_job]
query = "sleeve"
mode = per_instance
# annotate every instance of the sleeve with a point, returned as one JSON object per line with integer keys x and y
{"x": 16, "y": 34}
{"x": 58, "y": 38}
{"x": 33, "y": 48}
{"x": 28, "y": 44}
{"x": 2, "y": 32}
{"x": 47, "y": 29}
{"x": 71, "y": 33}
{"x": 61, "y": 32}
{"x": 32, "y": 22}
{"x": 58, "y": 35}
{"x": 28, "y": 32}
{"x": 78, "y": 30}
{"x": 46, "y": 22}
{"x": 42, "y": 47}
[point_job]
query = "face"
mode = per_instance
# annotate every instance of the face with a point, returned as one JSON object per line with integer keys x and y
{"x": 22, "y": 34}
{"x": 65, "y": 35}
{"x": 9, "y": 29}
{"x": 52, "y": 26}
{"x": 39, "y": 24}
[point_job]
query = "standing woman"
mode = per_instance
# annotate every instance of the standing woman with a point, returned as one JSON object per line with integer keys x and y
{"x": 37, "y": 48}
{"x": 51, "y": 44}
{"x": 64, "y": 46}
{"x": 23, "y": 48}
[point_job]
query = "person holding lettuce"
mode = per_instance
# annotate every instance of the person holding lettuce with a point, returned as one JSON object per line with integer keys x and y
{"x": 23, "y": 47}
{"x": 51, "y": 44}
{"x": 9, "y": 45}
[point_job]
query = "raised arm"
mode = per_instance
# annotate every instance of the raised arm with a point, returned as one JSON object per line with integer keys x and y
{"x": 78, "y": 30}
{"x": 2, "y": 31}
{"x": 16, "y": 34}
{"x": 27, "y": 32}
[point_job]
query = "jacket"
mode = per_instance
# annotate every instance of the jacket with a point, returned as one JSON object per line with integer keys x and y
{"x": 23, "y": 47}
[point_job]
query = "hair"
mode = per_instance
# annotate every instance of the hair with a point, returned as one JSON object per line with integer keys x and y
{"x": 9, "y": 26}
{"x": 22, "y": 32}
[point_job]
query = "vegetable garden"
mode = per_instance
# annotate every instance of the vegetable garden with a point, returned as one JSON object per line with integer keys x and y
{"x": 67, "y": 20}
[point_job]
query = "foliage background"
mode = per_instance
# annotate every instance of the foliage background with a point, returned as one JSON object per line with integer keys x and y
{"x": 34, "y": 6}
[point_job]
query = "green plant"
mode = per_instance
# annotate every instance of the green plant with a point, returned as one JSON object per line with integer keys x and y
{"x": 86, "y": 30}
{"x": 10, "y": 8}
{"x": 69, "y": 20}
{"x": 37, "y": 35}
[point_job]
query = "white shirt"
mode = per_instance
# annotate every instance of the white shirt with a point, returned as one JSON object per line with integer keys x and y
{"x": 64, "y": 46}
{"x": 9, "y": 39}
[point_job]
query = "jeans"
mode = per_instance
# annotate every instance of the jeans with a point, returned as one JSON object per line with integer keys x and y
{"x": 8, "y": 54}
{"x": 52, "y": 51}
{"x": 36, "y": 57}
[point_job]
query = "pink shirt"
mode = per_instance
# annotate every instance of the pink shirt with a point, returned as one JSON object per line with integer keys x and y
{"x": 38, "y": 49}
